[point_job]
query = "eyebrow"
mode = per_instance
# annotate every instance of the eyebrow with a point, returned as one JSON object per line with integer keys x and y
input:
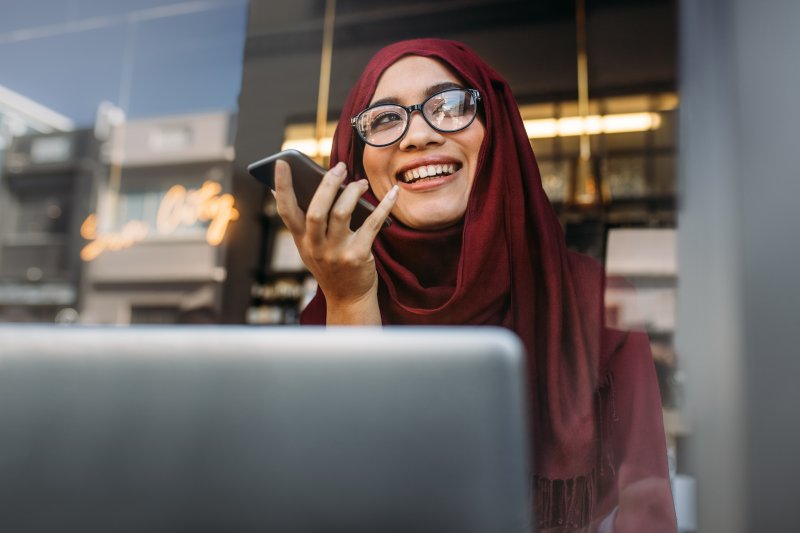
{"x": 433, "y": 89}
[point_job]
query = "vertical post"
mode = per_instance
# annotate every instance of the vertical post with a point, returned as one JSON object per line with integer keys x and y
{"x": 108, "y": 199}
{"x": 325, "y": 75}
{"x": 585, "y": 190}
{"x": 583, "y": 75}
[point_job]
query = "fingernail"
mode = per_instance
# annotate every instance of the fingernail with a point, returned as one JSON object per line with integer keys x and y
{"x": 392, "y": 194}
{"x": 340, "y": 169}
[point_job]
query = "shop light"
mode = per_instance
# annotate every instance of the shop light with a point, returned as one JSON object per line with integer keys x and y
{"x": 536, "y": 129}
{"x": 179, "y": 207}
{"x": 310, "y": 147}
{"x": 591, "y": 125}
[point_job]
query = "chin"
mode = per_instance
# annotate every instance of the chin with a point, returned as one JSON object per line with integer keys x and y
{"x": 430, "y": 215}
{"x": 429, "y": 223}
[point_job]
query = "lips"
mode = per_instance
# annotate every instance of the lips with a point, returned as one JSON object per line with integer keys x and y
{"x": 427, "y": 169}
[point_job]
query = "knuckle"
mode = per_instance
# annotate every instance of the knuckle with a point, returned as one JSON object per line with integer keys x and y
{"x": 316, "y": 217}
{"x": 330, "y": 258}
{"x": 340, "y": 213}
{"x": 331, "y": 179}
{"x": 351, "y": 258}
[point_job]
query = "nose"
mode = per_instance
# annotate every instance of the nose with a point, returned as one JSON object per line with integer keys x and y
{"x": 420, "y": 134}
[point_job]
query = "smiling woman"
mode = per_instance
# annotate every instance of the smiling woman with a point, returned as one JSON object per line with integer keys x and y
{"x": 433, "y": 135}
{"x": 433, "y": 167}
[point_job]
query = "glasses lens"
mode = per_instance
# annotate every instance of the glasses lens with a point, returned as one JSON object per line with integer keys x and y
{"x": 383, "y": 124}
{"x": 450, "y": 110}
{"x": 447, "y": 111}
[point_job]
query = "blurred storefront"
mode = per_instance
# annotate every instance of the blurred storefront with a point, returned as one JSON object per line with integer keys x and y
{"x": 154, "y": 249}
{"x": 122, "y": 223}
{"x": 46, "y": 191}
{"x": 44, "y": 169}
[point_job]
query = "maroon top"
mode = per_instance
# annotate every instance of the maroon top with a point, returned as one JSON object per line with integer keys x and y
{"x": 507, "y": 264}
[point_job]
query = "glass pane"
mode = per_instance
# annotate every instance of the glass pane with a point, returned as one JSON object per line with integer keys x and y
{"x": 555, "y": 179}
{"x": 154, "y": 315}
{"x": 43, "y": 215}
{"x": 664, "y": 136}
{"x": 543, "y": 147}
{"x": 625, "y": 176}
{"x": 626, "y": 141}
{"x": 663, "y": 182}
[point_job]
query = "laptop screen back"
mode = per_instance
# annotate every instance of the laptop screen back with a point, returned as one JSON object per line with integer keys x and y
{"x": 262, "y": 429}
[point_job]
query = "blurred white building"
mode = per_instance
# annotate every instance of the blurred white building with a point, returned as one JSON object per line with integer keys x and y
{"x": 43, "y": 185}
{"x": 114, "y": 225}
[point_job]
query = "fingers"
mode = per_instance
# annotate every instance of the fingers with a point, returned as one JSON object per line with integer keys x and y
{"x": 285, "y": 199}
{"x": 320, "y": 206}
{"x": 328, "y": 216}
{"x": 372, "y": 225}
{"x": 342, "y": 210}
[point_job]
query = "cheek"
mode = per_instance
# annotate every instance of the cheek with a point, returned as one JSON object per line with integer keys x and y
{"x": 472, "y": 146}
{"x": 478, "y": 133}
{"x": 376, "y": 166}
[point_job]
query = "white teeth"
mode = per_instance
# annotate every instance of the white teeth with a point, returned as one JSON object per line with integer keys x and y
{"x": 427, "y": 171}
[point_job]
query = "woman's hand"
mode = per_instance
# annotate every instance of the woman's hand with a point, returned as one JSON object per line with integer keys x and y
{"x": 341, "y": 260}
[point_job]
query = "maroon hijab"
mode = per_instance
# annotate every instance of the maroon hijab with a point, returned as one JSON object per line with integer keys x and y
{"x": 506, "y": 264}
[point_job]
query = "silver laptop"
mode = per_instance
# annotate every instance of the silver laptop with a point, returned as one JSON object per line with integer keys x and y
{"x": 240, "y": 429}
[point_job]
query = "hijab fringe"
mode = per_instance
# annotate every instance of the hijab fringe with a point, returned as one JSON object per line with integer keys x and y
{"x": 567, "y": 505}
{"x": 564, "y": 504}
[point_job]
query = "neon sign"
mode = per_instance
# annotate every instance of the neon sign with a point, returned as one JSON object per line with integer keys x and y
{"x": 179, "y": 207}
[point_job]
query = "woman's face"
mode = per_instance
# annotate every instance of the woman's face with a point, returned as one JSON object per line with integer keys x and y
{"x": 434, "y": 202}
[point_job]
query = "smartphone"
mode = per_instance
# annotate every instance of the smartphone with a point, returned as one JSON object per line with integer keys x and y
{"x": 306, "y": 176}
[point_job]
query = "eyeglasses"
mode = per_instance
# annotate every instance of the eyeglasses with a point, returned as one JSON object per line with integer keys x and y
{"x": 447, "y": 111}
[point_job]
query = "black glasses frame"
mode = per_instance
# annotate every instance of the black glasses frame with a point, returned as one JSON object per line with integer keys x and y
{"x": 417, "y": 107}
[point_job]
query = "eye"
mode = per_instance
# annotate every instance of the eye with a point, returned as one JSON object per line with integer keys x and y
{"x": 385, "y": 119}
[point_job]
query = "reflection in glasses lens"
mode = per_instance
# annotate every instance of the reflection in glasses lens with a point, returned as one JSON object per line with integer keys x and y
{"x": 447, "y": 111}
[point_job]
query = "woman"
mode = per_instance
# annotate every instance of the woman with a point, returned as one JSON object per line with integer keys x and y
{"x": 433, "y": 135}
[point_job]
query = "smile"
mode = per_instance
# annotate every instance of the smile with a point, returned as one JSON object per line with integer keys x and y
{"x": 427, "y": 172}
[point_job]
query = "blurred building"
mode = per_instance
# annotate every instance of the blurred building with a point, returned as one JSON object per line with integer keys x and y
{"x": 124, "y": 229}
{"x": 153, "y": 249}
{"x": 20, "y": 116}
{"x": 45, "y": 174}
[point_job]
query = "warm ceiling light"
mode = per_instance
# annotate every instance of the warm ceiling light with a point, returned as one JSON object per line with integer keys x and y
{"x": 591, "y": 125}
{"x": 536, "y": 129}
{"x": 310, "y": 147}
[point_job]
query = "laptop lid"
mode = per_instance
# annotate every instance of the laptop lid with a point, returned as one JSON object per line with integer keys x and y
{"x": 238, "y": 429}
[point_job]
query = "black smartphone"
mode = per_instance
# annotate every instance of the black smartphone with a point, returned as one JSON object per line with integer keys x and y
{"x": 306, "y": 175}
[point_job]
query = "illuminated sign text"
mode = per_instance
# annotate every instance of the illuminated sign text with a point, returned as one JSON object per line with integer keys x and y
{"x": 179, "y": 207}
